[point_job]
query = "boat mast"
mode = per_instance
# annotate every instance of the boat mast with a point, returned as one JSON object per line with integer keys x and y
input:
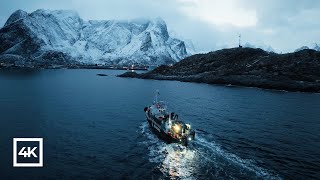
{"x": 156, "y": 98}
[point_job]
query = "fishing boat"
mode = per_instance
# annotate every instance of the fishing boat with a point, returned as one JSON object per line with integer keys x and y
{"x": 167, "y": 125}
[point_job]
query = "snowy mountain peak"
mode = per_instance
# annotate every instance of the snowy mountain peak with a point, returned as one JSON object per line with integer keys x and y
{"x": 58, "y": 13}
{"x": 18, "y": 14}
{"x": 316, "y": 47}
{"x": 159, "y": 27}
{"x": 267, "y": 48}
{"x": 302, "y": 48}
{"x": 313, "y": 46}
{"x": 43, "y": 32}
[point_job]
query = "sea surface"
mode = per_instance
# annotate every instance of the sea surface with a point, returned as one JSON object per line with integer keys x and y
{"x": 94, "y": 127}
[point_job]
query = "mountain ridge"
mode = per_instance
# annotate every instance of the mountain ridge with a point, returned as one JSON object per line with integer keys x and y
{"x": 53, "y": 36}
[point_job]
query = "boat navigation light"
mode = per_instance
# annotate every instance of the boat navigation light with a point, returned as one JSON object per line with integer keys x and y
{"x": 176, "y": 128}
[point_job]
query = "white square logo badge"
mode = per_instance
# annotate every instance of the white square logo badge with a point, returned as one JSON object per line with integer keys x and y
{"x": 27, "y": 152}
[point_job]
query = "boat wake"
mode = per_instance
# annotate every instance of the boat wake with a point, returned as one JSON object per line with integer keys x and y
{"x": 174, "y": 160}
{"x": 202, "y": 159}
{"x": 229, "y": 160}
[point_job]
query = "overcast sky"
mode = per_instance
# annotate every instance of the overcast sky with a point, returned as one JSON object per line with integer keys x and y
{"x": 285, "y": 25}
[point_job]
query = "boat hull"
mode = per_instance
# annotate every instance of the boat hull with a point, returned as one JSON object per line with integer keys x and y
{"x": 164, "y": 136}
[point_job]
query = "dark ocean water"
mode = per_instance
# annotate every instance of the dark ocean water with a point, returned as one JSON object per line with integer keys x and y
{"x": 94, "y": 128}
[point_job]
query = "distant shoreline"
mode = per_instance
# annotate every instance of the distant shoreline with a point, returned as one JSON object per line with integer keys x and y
{"x": 297, "y": 72}
{"x": 73, "y": 67}
{"x": 186, "y": 79}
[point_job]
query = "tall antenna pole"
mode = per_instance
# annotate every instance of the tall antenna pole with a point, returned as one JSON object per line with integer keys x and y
{"x": 240, "y": 40}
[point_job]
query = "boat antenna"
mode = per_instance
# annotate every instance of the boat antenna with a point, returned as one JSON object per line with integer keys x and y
{"x": 157, "y": 93}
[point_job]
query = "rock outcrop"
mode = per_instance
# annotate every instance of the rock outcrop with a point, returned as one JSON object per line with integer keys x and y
{"x": 298, "y": 71}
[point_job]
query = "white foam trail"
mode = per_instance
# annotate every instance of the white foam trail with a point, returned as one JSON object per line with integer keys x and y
{"x": 178, "y": 162}
{"x": 247, "y": 164}
{"x": 154, "y": 145}
{"x": 174, "y": 160}
{"x": 143, "y": 127}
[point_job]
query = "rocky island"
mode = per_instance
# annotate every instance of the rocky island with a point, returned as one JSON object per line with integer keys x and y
{"x": 298, "y": 71}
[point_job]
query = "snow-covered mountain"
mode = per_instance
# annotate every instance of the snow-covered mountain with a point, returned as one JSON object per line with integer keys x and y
{"x": 301, "y": 48}
{"x": 190, "y": 47}
{"x": 264, "y": 47}
{"x": 54, "y": 36}
{"x": 314, "y": 46}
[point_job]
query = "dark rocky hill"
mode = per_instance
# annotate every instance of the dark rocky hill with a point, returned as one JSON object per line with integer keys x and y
{"x": 298, "y": 71}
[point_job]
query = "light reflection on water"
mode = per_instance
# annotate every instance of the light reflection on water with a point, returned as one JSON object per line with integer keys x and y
{"x": 200, "y": 159}
{"x": 178, "y": 162}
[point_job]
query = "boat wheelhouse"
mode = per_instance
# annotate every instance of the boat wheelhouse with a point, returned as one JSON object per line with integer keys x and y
{"x": 167, "y": 125}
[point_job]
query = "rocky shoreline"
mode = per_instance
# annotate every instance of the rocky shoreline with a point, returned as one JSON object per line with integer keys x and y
{"x": 70, "y": 66}
{"x": 298, "y": 71}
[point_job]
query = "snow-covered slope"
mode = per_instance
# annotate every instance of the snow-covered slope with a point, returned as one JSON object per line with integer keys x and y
{"x": 264, "y": 47}
{"x": 62, "y": 36}
{"x": 301, "y": 48}
{"x": 314, "y": 46}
